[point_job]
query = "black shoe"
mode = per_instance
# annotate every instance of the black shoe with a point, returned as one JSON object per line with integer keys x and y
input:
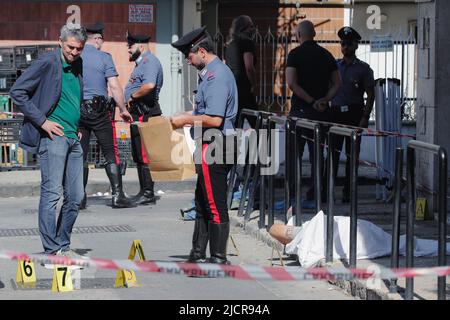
{"x": 83, "y": 203}
{"x": 120, "y": 201}
{"x": 146, "y": 194}
{"x": 144, "y": 198}
{"x": 195, "y": 257}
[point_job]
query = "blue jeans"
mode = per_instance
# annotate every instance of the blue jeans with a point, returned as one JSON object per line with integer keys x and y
{"x": 61, "y": 162}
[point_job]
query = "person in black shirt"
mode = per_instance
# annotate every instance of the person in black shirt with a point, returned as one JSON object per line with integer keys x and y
{"x": 240, "y": 56}
{"x": 313, "y": 76}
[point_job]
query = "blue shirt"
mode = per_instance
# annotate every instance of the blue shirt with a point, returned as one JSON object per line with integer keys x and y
{"x": 357, "y": 77}
{"x": 217, "y": 95}
{"x": 98, "y": 66}
{"x": 148, "y": 69}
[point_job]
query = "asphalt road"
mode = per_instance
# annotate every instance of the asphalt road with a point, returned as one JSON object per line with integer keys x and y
{"x": 164, "y": 236}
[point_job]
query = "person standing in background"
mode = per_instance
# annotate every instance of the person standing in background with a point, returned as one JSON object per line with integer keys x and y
{"x": 240, "y": 56}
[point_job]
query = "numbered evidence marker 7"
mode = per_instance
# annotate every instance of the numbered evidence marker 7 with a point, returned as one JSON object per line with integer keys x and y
{"x": 26, "y": 273}
{"x": 62, "y": 280}
{"x": 127, "y": 278}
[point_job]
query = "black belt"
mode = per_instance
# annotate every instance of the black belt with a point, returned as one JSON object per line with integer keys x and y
{"x": 92, "y": 108}
{"x": 346, "y": 108}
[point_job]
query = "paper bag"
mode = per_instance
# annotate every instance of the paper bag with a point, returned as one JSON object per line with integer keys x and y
{"x": 168, "y": 155}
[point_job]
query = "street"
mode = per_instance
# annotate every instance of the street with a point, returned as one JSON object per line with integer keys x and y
{"x": 163, "y": 235}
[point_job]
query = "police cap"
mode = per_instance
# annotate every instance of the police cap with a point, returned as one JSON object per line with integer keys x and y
{"x": 96, "y": 28}
{"x": 138, "y": 38}
{"x": 189, "y": 40}
{"x": 348, "y": 33}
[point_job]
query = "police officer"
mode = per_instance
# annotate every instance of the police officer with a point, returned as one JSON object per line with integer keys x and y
{"x": 348, "y": 105}
{"x": 99, "y": 74}
{"x": 216, "y": 108}
{"x": 142, "y": 95}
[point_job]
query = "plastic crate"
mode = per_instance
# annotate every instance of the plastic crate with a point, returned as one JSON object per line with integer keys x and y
{"x": 7, "y": 79}
{"x": 44, "y": 48}
{"x": 7, "y": 58}
{"x": 24, "y": 55}
{"x": 10, "y": 130}
{"x": 96, "y": 158}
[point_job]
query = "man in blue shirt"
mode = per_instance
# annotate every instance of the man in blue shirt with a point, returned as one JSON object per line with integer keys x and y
{"x": 142, "y": 95}
{"x": 215, "y": 111}
{"x": 49, "y": 94}
{"x": 99, "y": 73}
{"x": 348, "y": 106}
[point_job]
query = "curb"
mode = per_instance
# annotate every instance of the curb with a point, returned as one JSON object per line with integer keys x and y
{"x": 32, "y": 189}
{"x": 355, "y": 288}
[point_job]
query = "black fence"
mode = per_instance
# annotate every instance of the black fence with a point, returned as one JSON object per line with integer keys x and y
{"x": 295, "y": 133}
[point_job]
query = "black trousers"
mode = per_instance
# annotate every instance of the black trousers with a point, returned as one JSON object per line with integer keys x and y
{"x": 307, "y": 112}
{"x": 105, "y": 131}
{"x": 352, "y": 117}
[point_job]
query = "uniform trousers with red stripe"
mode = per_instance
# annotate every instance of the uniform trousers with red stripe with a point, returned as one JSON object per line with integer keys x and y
{"x": 211, "y": 190}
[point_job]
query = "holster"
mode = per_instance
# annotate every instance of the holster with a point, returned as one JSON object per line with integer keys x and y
{"x": 93, "y": 108}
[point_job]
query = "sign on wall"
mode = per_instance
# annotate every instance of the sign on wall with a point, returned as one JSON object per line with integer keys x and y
{"x": 140, "y": 13}
{"x": 381, "y": 44}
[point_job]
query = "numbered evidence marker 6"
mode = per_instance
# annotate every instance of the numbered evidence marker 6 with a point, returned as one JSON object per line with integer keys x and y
{"x": 26, "y": 273}
{"x": 62, "y": 280}
{"x": 127, "y": 278}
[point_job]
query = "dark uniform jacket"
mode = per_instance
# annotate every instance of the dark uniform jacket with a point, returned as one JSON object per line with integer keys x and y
{"x": 36, "y": 93}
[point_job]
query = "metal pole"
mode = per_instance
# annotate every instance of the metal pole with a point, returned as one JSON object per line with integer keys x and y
{"x": 287, "y": 165}
{"x": 330, "y": 217}
{"x": 262, "y": 197}
{"x": 271, "y": 202}
{"x": 396, "y": 216}
{"x": 298, "y": 177}
{"x": 442, "y": 246}
{"x": 318, "y": 159}
{"x": 410, "y": 168}
{"x": 353, "y": 198}
{"x": 232, "y": 178}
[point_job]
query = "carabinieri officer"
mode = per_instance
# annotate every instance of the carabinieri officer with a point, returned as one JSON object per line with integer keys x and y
{"x": 100, "y": 73}
{"x": 216, "y": 108}
{"x": 348, "y": 106}
{"x": 142, "y": 95}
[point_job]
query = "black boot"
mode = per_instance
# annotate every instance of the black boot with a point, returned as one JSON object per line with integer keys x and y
{"x": 83, "y": 203}
{"x": 218, "y": 238}
{"x": 199, "y": 241}
{"x": 146, "y": 194}
{"x": 119, "y": 200}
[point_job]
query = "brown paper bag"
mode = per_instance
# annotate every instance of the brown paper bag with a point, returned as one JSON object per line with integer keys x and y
{"x": 168, "y": 155}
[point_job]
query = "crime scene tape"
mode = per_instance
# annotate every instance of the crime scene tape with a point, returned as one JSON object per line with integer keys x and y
{"x": 232, "y": 271}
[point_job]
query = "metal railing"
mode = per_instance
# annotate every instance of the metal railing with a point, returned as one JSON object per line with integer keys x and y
{"x": 414, "y": 146}
{"x": 354, "y": 137}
